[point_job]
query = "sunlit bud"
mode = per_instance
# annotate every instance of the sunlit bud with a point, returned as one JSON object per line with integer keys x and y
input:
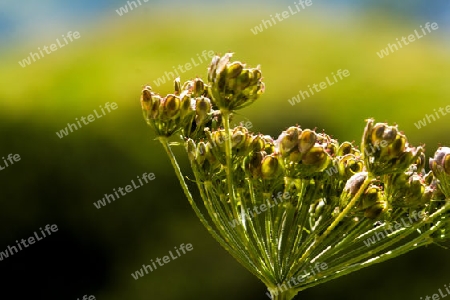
{"x": 199, "y": 87}
{"x": 234, "y": 69}
{"x": 257, "y": 143}
{"x": 146, "y": 98}
{"x": 355, "y": 182}
{"x": 203, "y": 108}
{"x": 318, "y": 157}
{"x": 256, "y": 75}
{"x": 177, "y": 84}
{"x": 288, "y": 140}
{"x": 306, "y": 140}
{"x": 239, "y": 137}
{"x": 154, "y": 111}
{"x": 269, "y": 166}
{"x": 345, "y": 148}
{"x": 244, "y": 79}
{"x": 212, "y": 68}
{"x": 254, "y": 164}
{"x": 349, "y": 165}
{"x": 171, "y": 106}
{"x": 191, "y": 149}
{"x": 371, "y": 196}
{"x": 440, "y": 165}
{"x": 200, "y": 154}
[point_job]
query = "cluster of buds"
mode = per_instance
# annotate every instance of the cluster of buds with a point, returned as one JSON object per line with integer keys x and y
{"x": 279, "y": 205}
{"x": 386, "y": 150}
{"x": 187, "y": 109}
{"x": 305, "y": 153}
{"x": 440, "y": 165}
{"x": 232, "y": 85}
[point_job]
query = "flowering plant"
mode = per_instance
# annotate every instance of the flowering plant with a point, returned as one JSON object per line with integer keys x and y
{"x": 301, "y": 209}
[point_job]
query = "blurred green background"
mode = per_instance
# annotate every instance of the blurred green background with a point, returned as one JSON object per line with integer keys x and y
{"x": 57, "y": 180}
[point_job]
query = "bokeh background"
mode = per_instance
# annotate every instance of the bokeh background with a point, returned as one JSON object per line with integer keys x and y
{"x": 57, "y": 180}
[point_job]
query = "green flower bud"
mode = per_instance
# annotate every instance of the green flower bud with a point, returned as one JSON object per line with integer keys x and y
{"x": 177, "y": 85}
{"x": 349, "y": 165}
{"x": 306, "y": 140}
{"x": 171, "y": 106}
{"x": 269, "y": 167}
{"x": 352, "y": 187}
{"x": 146, "y": 99}
{"x": 202, "y": 108}
{"x": 155, "y": 109}
{"x": 200, "y": 154}
{"x": 253, "y": 166}
{"x": 257, "y": 143}
{"x": 372, "y": 195}
{"x": 345, "y": 148}
{"x": 315, "y": 156}
{"x": 240, "y": 138}
{"x": 440, "y": 166}
{"x": 199, "y": 87}
{"x": 231, "y": 85}
{"x": 288, "y": 140}
{"x": 191, "y": 149}
{"x": 386, "y": 150}
{"x": 234, "y": 69}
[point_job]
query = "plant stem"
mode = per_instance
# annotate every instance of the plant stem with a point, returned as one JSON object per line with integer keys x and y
{"x": 288, "y": 294}
{"x": 185, "y": 188}
{"x": 229, "y": 168}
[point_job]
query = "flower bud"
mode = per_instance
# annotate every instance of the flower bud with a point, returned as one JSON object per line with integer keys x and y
{"x": 288, "y": 140}
{"x": 200, "y": 154}
{"x": 254, "y": 164}
{"x": 349, "y": 165}
{"x": 146, "y": 99}
{"x": 177, "y": 85}
{"x": 386, "y": 150}
{"x": 306, "y": 140}
{"x": 171, "y": 106}
{"x": 231, "y": 85}
{"x": 199, "y": 87}
{"x": 191, "y": 149}
{"x": 269, "y": 167}
{"x": 440, "y": 165}
{"x": 202, "y": 108}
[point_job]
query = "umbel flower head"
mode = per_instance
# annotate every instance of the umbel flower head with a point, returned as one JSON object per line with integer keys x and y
{"x": 232, "y": 85}
{"x": 300, "y": 209}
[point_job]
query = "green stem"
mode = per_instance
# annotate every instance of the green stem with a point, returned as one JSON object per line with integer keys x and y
{"x": 339, "y": 218}
{"x": 229, "y": 167}
{"x": 185, "y": 188}
{"x": 283, "y": 293}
